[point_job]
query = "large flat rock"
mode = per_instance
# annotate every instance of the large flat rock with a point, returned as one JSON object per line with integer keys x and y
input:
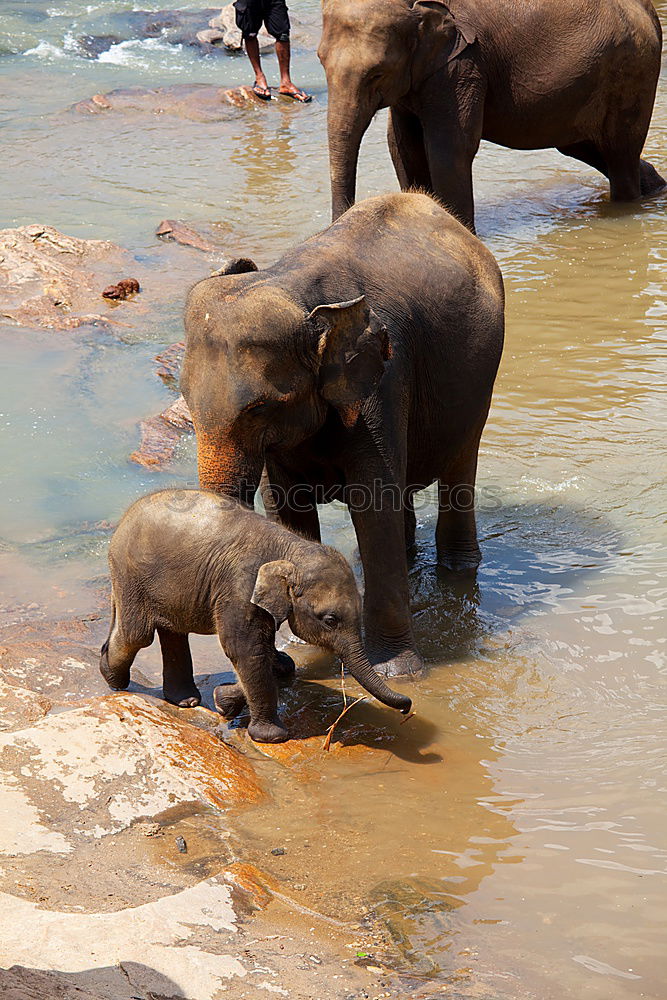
{"x": 93, "y": 771}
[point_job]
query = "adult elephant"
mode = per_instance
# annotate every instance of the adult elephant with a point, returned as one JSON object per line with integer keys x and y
{"x": 578, "y": 75}
{"x": 359, "y": 367}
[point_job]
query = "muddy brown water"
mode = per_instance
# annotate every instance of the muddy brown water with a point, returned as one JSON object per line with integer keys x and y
{"x": 510, "y": 840}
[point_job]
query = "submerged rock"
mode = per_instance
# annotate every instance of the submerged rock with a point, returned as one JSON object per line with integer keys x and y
{"x": 180, "y": 232}
{"x": 418, "y": 916}
{"x": 201, "y": 102}
{"x": 170, "y": 362}
{"x": 51, "y": 280}
{"x": 160, "y": 435}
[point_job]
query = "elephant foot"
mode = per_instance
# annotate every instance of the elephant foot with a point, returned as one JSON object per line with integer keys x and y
{"x": 650, "y": 180}
{"x": 188, "y": 697}
{"x": 118, "y": 680}
{"x": 461, "y": 562}
{"x": 267, "y": 732}
{"x": 284, "y": 667}
{"x": 229, "y": 700}
{"x": 392, "y": 659}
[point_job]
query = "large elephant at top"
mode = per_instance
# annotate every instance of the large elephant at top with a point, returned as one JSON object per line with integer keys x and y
{"x": 358, "y": 368}
{"x": 578, "y": 75}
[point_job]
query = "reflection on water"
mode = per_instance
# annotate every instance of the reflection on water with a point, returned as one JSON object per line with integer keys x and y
{"x": 510, "y": 840}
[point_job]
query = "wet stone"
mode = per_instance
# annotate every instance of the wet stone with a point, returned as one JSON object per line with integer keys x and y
{"x": 160, "y": 435}
{"x": 170, "y": 362}
{"x": 180, "y": 232}
{"x": 51, "y": 280}
{"x": 201, "y": 102}
{"x": 417, "y": 914}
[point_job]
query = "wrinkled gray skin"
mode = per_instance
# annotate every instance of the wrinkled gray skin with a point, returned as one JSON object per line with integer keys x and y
{"x": 577, "y": 75}
{"x": 358, "y": 368}
{"x": 186, "y": 561}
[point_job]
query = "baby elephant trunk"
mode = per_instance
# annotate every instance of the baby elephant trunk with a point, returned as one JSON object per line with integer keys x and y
{"x": 359, "y": 666}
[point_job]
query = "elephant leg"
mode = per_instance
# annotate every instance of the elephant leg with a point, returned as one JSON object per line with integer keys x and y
{"x": 620, "y": 170}
{"x": 650, "y": 180}
{"x": 230, "y": 699}
{"x": 410, "y": 522}
{"x": 452, "y": 126}
{"x": 249, "y": 644}
{"x": 178, "y": 683}
{"x": 456, "y": 531}
{"x": 290, "y": 502}
{"x": 621, "y": 167}
{"x": 119, "y": 651}
{"x": 586, "y": 152}
{"x": 405, "y": 139}
{"x": 389, "y": 639}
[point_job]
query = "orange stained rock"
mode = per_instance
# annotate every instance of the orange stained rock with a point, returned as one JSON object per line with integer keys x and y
{"x": 225, "y": 777}
{"x": 248, "y": 877}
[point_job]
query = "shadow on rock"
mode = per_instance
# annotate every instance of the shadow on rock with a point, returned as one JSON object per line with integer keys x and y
{"x": 120, "y": 982}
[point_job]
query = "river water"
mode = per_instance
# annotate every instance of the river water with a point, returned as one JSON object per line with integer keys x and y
{"x": 515, "y": 830}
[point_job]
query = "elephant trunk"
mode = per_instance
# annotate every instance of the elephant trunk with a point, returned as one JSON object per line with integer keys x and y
{"x": 225, "y": 469}
{"x": 347, "y": 122}
{"x": 358, "y": 664}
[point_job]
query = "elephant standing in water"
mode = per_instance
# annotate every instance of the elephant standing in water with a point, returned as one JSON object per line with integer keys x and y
{"x": 578, "y": 75}
{"x": 359, "y": 367}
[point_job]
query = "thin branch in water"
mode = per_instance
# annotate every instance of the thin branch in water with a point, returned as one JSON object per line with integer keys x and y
{"x": 326, "y": 746}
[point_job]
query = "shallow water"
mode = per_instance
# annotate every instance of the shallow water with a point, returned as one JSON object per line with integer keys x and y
{"x": 517, "y": 825}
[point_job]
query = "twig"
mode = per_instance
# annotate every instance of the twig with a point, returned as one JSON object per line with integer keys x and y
{"x": 327, "y": 743}
{"x": 407, "y": 718}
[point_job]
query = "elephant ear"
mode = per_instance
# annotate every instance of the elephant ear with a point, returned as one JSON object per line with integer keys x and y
{"x": 235, "y": 265}
{"x": 273, "y": 589}
{"x": 352, "y": 349}
{"x": 437, "y": 19}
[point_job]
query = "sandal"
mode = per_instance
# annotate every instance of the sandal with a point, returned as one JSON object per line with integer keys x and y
{"x": 296, "y": 95}
{"x": 264, "y": 93}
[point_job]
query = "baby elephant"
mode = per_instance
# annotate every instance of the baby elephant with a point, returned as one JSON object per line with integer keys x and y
{"x": 188, "y": 561}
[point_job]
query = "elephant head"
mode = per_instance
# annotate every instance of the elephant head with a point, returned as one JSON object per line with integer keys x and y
{"x": 322, "y": 604}
{"x": 261, "y": 372}
{"x": 374, "y": 56}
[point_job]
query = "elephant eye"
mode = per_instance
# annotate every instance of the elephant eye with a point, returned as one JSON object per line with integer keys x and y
{"x": 330, "y": 620}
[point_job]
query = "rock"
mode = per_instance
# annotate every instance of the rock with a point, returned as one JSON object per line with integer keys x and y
{"x": 19, "y": 706}
{"x": 210, "y": 36}
{"x": 58, "y": 661}
{"x": 123, "y": 290}
{"x": 416, "y": 913}
{"x": 51, "y": 280}
{"x": 172, "y": 229}
{"x": 91, "y": 46}
{"x": 200, "y": 102}
{"x": 172, "y": 948}
{"x": 160, "y": 435}
{"x": 19, "y": 983}
{"x": 170, "y": 361}
{"x": 225, "y": 23}
{"x": 94, "y": 771}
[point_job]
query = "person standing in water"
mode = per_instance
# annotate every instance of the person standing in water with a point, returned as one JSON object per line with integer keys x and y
{"x": 250, "y": 14}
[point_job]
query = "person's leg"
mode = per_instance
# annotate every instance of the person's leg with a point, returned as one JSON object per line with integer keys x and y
{"x": 252, "y": 48}
{"x": 277, "y": 23}
{"x": 249, "y": 16}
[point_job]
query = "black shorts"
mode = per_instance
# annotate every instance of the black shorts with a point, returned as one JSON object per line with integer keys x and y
{"x": 250, "y": 14}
